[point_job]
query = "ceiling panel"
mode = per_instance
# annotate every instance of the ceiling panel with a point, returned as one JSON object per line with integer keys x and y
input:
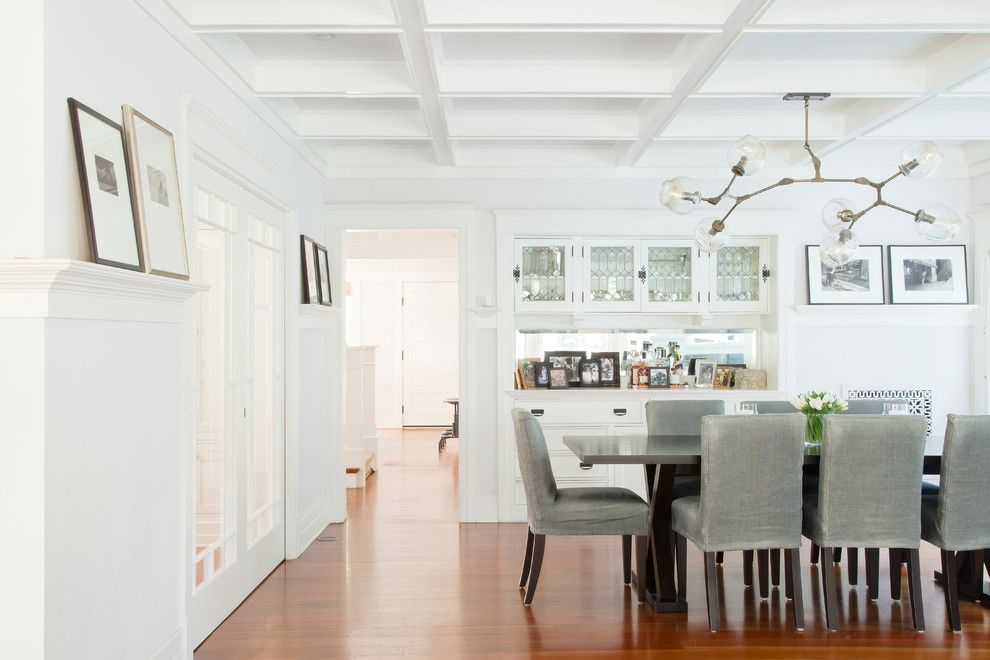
{"x": 323, "y": 47}
{"x": 559, "y": 46}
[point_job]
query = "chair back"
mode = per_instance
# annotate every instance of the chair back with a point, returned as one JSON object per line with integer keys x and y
{"x": 534, "y": 463}
{"x": 869, "y": 492}
{"x": 868, "y": 406}
{"x": 680, "y": 417}
{"x": 963, "y": 514}
{"x": 751, "y": 481}
{"x": 774, "y": 407}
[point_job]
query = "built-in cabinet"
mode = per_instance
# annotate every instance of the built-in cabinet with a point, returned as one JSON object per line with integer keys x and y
{"x": 663, "y": 276}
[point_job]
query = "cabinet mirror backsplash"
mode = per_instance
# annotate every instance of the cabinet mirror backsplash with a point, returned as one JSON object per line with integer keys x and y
{"x": 640, "y": 359}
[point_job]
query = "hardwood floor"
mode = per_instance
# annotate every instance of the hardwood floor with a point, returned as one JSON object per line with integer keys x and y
{"x": 403, "y": 578}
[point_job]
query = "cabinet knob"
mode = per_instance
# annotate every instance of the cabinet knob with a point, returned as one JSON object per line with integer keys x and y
{"x": 537, "y": 412}
{"x": 619, "y": 411}
{"x": 585, "y": 466}
{"x": 765, "y": 272}
{"x": 642, "y": 274}
{"x": 516, "y": 273}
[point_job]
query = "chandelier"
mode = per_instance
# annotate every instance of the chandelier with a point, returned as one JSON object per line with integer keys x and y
{"x": 935, "y": 222}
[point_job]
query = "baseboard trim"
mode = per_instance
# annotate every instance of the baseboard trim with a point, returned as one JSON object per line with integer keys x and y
{"x": 311, "y": 524}
{"x": 173, "y": 648}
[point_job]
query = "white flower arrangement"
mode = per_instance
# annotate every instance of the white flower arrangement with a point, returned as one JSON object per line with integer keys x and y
{"x": 819, "y": 403}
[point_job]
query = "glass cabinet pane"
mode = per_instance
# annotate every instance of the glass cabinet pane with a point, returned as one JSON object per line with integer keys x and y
{"x": 669, "y": 274}
{"x": 542, "y": 273}
{"x": 737, "y": 274}
{"x": 612, "y": 273}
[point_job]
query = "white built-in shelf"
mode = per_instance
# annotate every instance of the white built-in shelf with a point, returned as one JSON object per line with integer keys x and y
{"x": 485, "y": 317}
{"x": 585, "y": 393}
{"x": 873, "y": 315}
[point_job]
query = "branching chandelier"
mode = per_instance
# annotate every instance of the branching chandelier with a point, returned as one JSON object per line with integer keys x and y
{"x": 935, "y": 222}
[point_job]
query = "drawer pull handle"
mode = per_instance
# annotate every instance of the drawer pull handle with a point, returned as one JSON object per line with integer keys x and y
{"x": 585, "y": 466}
{"x": 619, "y": 411}
{"x": 537, "y": 412}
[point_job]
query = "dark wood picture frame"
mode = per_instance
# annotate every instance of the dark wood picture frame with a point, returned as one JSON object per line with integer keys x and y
{"x": 614, "y": 358}
{"x": 557, "y": 371}
{"x": 121, "y": 179}
{"x": 323, "y": 276}
{"x": 594, "y": 366}
{"x": 573, "y": 361}
{"x": 542, "y": 370}
{"x": 882, "y": 276}
{"x": 307, "y": 268}
{"x": 666, "y": 378}
{"x": 890, "y": 273}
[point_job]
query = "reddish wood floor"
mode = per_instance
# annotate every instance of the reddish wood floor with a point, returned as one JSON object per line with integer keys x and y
{"x": 405, "y": 579}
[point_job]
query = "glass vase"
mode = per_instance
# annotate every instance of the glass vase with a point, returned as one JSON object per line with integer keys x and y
{"x": 813, "y": 431}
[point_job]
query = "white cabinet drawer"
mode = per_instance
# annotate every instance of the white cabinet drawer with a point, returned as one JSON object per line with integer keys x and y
{"x": 587, "y": 412}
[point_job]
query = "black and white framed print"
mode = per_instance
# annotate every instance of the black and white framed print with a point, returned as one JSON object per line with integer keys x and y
{"x": 569, "y": 360}
{"x": 610, "y": 368}
{"x": 157, "y": 202}
{"x": 859, "y": 282}
{"x": 323, "y": 267}
{"x": 112, "y": 226}
{"x": 928, "y": 274}
{"x": 310, "y": 271}
{"x": 591, "y": 372}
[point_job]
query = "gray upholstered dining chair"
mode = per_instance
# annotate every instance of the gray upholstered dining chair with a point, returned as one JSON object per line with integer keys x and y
{"x": 955, "y": 515}
{"x": 552, "y": 511}
{"x": 869, "y": 495}
{"x": 749, "y": 499}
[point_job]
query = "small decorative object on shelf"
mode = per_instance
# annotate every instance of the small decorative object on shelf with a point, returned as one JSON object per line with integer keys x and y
{"x": 750, "y": 379}
{"x": 705, "y": 372}
{"x": 659, "y": 377}
{"x": 558, "y": 378}
{"x": 591, "y": 372}
{"x": 722, "y": 379}
{"x": 542, "y": 374}
{"x": 610, "y": 368}
{"x": 815, "y": 405}
{"x": 569, "y": 360}
{"x": 527, "y": 368}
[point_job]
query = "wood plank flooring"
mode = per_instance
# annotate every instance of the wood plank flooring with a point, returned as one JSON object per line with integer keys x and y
{"x": 403, "y": 578}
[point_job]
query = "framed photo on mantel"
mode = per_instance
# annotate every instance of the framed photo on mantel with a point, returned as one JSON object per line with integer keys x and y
{"x": 928, "y": 274}
{"x": 859, "y": 282}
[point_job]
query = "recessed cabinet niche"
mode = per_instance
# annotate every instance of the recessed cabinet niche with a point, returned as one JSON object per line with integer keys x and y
{"x": 625, "y": 275}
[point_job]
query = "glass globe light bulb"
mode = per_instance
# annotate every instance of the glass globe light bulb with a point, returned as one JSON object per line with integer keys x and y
{"x": 706, "y": 240}
{"x": 937, "y": 222}
{"x": 833, "y": 211}
{"x": 838, "y": 248}
{"x": 680, "y": 195}
{"x": 746, "y": 156}
{"x": 920, "y": 160}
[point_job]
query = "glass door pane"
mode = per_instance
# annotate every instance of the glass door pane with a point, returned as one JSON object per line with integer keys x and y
{"x": 612, "y": 273}
{"x": 542, "y": 277}
{"x": 670, "y": 274}
{"x": 737, "y": 274}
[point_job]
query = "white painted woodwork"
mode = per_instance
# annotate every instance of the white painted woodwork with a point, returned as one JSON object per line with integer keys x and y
{"x": 430, "y": 315}
{"x": 360, "y": 430}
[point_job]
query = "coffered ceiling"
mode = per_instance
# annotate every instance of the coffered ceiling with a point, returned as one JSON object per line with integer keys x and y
{"x": 590, "y": 84}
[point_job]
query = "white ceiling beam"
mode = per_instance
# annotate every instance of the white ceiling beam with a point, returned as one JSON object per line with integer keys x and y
{"x": 963, "y": 60}
{"x": 697, "y": 70}
{"x": 514, "y": 124}
{"x": 318, "y": 14}
{"x": 577, "y": 12}
{"x": 526, "y": 78}
{"x": 421, "y": 69}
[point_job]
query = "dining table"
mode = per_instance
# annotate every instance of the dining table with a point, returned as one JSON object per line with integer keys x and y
{"x": 661, "y": 456}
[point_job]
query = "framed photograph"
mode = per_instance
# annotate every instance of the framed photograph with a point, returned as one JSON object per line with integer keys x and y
{"x": 610, "y": 368}
{"x": 749, "y": 379}
{"x": 723, "y": 377}
{"x": 310, "y": 271}
{"x": 859, "y": 282}
{"x": 659, "y": 377}
{"x": 558, "y": 378}
{"x": 157, "y": 201}
{"x": 542, "y": 370}
{"x": 112, "y": 225}
{"x": 928, "y": 274}
{"x": 591, "y": 372}
{"x": 705, "y": 372}
{"x": 570, "y": 360}
{"x": 527, "y": 367}
{"x": 323, "y": 267}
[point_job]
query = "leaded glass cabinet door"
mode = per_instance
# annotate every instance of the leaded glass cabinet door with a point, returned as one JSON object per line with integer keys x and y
{"x": 735, "y": 282}
{"x": 610, "y": 272}
{"x": 674, "y": 273}
{"x": 544, "y": 275}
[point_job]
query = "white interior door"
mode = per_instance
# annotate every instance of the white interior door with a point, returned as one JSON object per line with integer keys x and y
{"x": 429, "y": 359}
{"x": 238, "y": 526}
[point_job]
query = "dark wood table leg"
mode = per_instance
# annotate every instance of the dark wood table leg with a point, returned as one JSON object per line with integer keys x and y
{"x": 661, "y": 588}
{"x": 969, "y": 582}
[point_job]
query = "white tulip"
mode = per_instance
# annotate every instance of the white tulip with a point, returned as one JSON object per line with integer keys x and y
{"x": 797, "y": 402}
{"x": 815, "y": 403}
{"x": 843, "y": 405}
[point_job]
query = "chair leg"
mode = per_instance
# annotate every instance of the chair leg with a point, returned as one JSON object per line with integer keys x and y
{"x": 680, "y": 551}
{"x": 527, "y": 559}
{"x": 792, "y": 565}
{"x": 828, "y": 590}
{"x": 539, "y": 542}
{"x": 814, "y": 553}
{"x": 775, "y": 567}
{"x": 748, "y": 568}
{"x": 641, "y": 568}
{"x": 762, "y": 560}
{"x": 853, "y": 554}
{"x": 711, "y": 591}
{"x": 896, "y": 561}
{"x": 719, "y": 557}
{"x": 914, "y": 588}
{"x": 788, "y": 576}
{"x": 872, "y": 572}
{"x": 837, "y": 556}
{"x": 950, "y": 587}
{"x": 626, "y": 559}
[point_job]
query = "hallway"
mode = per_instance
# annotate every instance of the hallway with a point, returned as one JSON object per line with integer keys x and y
{"x": 402, "y": 578}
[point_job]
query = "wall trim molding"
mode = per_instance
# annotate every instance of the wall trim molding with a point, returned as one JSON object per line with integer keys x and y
{"x": 311, "y": 524}
{"x": 174, "y": 646}
{"x": 884, "y": 315}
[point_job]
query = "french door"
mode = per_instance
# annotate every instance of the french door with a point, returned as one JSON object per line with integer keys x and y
{"x": 239, "y": 533}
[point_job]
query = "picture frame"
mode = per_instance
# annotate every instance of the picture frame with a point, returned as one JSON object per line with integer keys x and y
{"x": 527, "y": 370}
{"x": 749, "y": 379}
{"x": 704, "y": 372}
{"x": 157, "y": 200}
{"x": 722, "y": 377}
{"x": 323, "y": 268}
{"x": 591, "y": 372}
{"x": 928, "y": 274}
{"x": 559, "y": 378}
{"x": 860, "y": 282}
{"x": 112, "y": 227}
{"x": 611, "y": 368}
{"x": 659, "y": 377}
{"x": 309, "y": 271}
{"x": 542, "y": 370}
{"x": 570, "y": 360}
